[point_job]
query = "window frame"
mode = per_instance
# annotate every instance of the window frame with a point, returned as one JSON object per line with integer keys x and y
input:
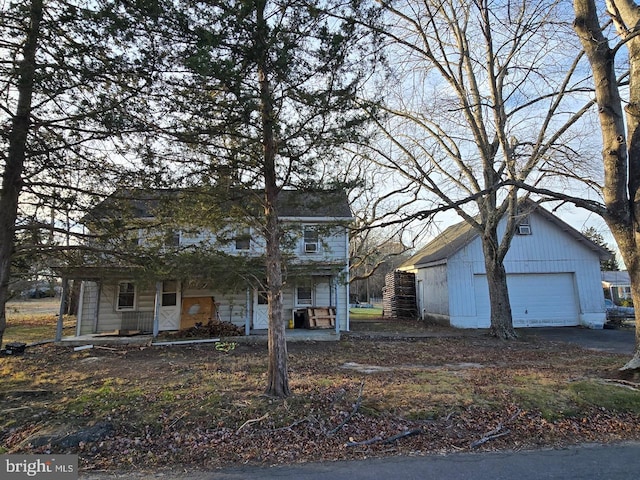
{"x": 311, "y": 295}
{"x": 172, "y": 238}
{"x": 310, "y": 236}
{"x": 119, "y": 293}
{"x": 524, "y": 226}
{"x": 243, "y": 236}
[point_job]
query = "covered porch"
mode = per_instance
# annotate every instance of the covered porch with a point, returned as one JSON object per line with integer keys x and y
{"x": 171, "y": 305}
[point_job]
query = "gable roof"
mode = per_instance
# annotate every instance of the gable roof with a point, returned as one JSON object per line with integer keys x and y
{"x": 456, "y": 237}
{"x": 290, "y": 204}
{"x": 313, "y": 204}
{"x": 451, "y": 240}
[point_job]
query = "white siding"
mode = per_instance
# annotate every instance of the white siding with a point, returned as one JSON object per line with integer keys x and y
{"x": 435, "y": 292}
{"x": 548, "y": 250}
{"x": 108, "y": 318}
{"x": 226, "y": 245}
{"x": 197, "y": 292}
{"x": 146, "y": 299}
{"x": 88, "y": 308}
{"x": 199, "y": 238}
{"x": 323, "y": 295}
{"x": 460, "y": 284}
{"x": 333, "y": 252}
{"x": 232, "y": 307}
{"x": 326, "y": 294}
{"x": 342, "y": 310}
{"x": 332, "y": 242}
{"x": 288, "y": 300}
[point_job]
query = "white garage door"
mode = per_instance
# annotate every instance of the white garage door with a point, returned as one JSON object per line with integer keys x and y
{"x": 537, "y": 300}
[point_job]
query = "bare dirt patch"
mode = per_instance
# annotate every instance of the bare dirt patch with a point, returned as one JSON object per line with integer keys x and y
{"x": 387, "y": 325}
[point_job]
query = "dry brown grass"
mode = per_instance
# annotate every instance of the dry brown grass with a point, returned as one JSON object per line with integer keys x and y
{"x": 31, "y": 321}
{"x": 190, "y": 405}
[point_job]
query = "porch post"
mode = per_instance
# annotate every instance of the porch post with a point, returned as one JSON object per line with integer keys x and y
{"x": 347, "y": 290}
{"x": 335, "y": 285}
{"x": 156, "y": 313}
{"x": 79, "y": 318}
{"x": 247, "y": 316}
{"x": 96, "y": 317}
{"x": 63, "y": 308}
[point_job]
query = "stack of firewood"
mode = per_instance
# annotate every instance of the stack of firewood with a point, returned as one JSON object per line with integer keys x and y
{"x": 211, "y": 330}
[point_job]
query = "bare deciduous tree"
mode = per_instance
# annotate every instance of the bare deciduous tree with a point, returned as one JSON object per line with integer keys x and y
{"x": 483, "y": 103}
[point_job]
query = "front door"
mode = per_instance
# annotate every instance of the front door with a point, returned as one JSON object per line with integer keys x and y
{"x": 169, "y": 316}
{"x": 260, "y": 310}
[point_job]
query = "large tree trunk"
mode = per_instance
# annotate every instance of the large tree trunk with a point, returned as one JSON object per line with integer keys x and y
{"x": 278, "y": 376}
{"x": 12, "y": 176}
{"x": 501, "y": 320}
{"x": 73, "y": 297}
{"x": 629, "y": 237}
{"x": 621, "y": 143}
{"x": 634, "y": 275}
{"x": 627, "y": 243}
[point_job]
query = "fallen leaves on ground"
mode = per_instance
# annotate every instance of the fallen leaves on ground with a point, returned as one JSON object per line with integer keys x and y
{"x": 200, "y": 408}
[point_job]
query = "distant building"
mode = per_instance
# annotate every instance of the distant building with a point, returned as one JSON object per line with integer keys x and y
{"x": 617, "y": 285}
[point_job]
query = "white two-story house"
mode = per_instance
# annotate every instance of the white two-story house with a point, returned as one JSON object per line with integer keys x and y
{"x": 219, "y": 276}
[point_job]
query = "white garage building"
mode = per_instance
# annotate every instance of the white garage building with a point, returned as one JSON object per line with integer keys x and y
{"x": 553, "y": 276}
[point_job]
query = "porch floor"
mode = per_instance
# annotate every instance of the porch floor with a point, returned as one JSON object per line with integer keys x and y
{"x": 105, "y": 340}
{"x": 256, "y": 336}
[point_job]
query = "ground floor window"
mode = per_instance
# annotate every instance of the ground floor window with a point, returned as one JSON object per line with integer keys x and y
{"x": 304, "y": 295}
{"x": 126, "y": 296}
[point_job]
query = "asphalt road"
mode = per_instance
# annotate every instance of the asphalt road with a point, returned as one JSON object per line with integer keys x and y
{"x": 602, "y": 462}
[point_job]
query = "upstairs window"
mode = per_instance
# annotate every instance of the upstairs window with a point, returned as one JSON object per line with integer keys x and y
{"x": 172, "y": 238}
{"x": 159, "y": 238}
{"x": 243, "y": 239}
{"x": 524, "y": 227}
{"x": 126, "y": 296}
{"x": 133, "y": 239}
{"x": 310, "y": 240}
